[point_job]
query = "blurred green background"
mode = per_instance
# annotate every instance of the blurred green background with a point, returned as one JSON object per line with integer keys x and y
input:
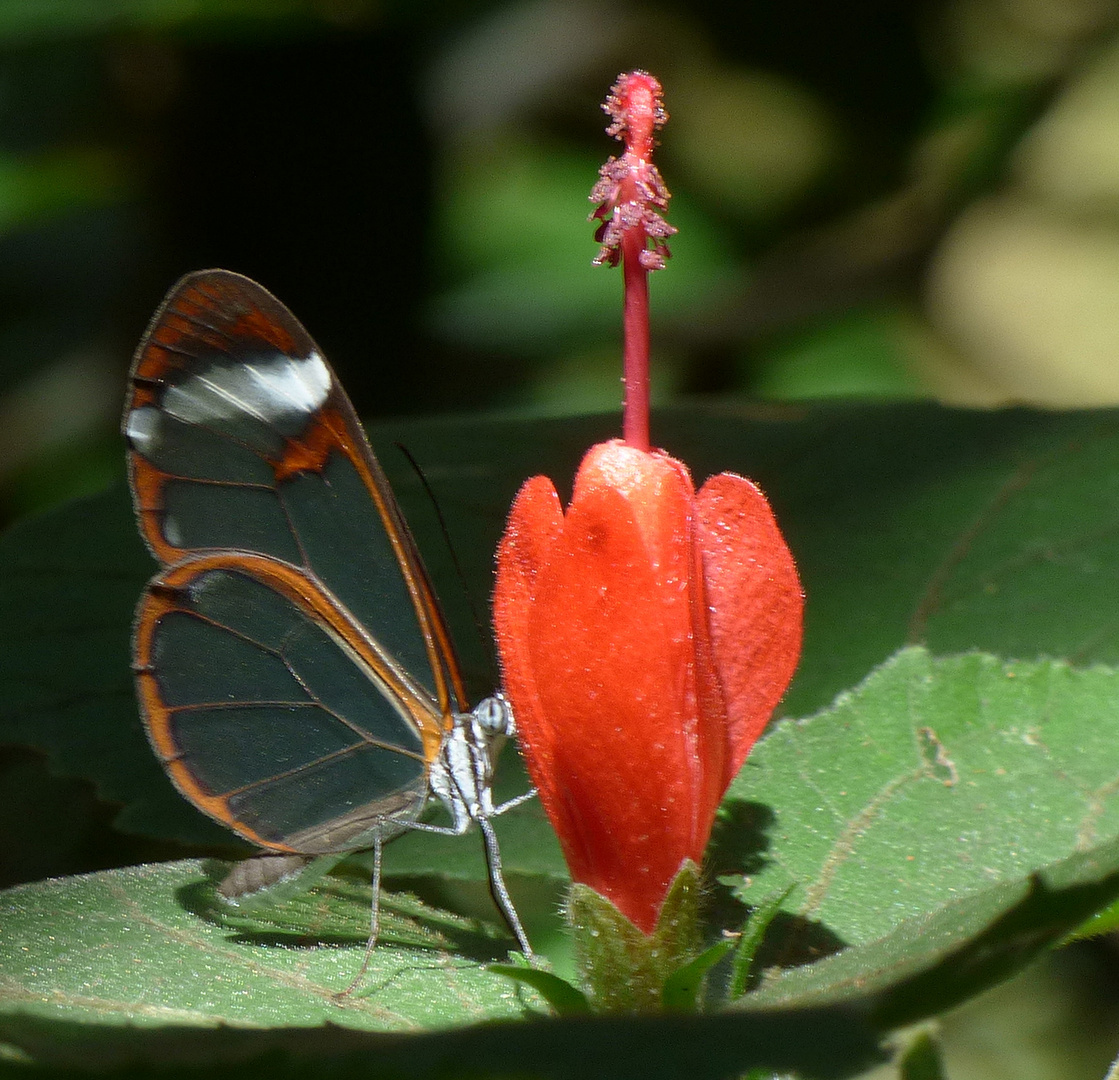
{"x": 877, "y": 197}
{"x": 880, "y": 198}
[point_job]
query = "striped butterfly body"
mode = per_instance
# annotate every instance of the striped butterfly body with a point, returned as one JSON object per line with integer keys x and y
{"x": 294, "y": 670}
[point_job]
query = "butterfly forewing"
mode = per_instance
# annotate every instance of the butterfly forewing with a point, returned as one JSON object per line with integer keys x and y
{"x": 273, "y": 705}
{"x": 243, "y": 439}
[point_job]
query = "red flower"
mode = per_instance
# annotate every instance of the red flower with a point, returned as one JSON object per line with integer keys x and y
{"x": 647, "y": 634}
{"x": 645, "y": 637}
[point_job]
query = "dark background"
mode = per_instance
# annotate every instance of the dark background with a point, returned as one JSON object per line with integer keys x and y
{"x": 411, "y": 180}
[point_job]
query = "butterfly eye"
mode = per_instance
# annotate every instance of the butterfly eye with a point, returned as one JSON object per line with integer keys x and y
{"x": 495, "y": 716}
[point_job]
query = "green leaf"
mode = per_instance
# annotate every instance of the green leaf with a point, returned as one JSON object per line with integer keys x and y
{"x": 912, "y": 524}
{"x": 930, "y": 964}
{"x": 815, "y": 1045}
{"x": 932, "y": 780}
{"x": 1102, "y": 922}
{"x": 935, "y": 784}
{"x": 134, "y": 969}
{"x": 921, "y": 1060}
{"x": 150, "y": 945}
{"x": 69, "y": 584}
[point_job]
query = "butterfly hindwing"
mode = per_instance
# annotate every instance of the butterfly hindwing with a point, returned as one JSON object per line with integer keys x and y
{"x": 269, "y": 711}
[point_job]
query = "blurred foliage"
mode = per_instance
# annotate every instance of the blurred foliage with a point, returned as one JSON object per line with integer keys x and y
{"x": 877, "y": 198}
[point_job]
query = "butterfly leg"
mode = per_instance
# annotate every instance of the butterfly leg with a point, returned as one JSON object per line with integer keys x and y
{"x": 374, "y": 916}
{"x": 509, "y": 804}
{"x": 498, "y": 890}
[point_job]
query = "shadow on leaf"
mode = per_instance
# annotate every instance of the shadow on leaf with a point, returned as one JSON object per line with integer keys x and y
{"x": 335, "y": 912}
{"x": 739, "y": 839}
{"x": 794, "y": 942}
{"x": 738, "y": 847}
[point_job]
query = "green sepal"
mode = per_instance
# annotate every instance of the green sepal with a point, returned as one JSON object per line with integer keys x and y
{"x": 565, "y": 999}
{"x": 623, "y": 969}
{"x": 682, "y": 987}
{"x": 753, "y": 931}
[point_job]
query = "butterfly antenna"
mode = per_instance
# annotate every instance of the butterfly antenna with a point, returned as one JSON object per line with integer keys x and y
{"x": 374, "y": 918}
{"x": 460, "y": 574}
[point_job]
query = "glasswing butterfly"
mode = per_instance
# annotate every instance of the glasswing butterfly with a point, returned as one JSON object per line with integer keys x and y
{"x": 295, "y": 673}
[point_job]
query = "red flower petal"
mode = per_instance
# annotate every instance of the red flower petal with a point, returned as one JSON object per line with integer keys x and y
{"x": 755, "y": 604}
{"x": 595, "y": 630}
{"x": 535, "y": 524}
